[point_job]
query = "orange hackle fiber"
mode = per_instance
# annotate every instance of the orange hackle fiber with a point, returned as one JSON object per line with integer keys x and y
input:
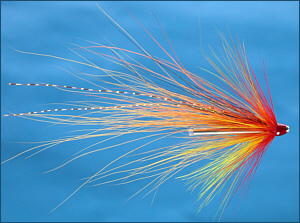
{"x": 231, "y": 129}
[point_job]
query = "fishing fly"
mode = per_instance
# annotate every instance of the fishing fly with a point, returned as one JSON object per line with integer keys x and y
{"x": 226, "y": 125}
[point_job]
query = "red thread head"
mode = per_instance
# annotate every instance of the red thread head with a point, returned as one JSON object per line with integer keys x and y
{"x": 282, "y": 129}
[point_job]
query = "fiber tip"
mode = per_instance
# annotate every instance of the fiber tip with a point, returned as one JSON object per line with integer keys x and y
{"x": 191, "y": 132}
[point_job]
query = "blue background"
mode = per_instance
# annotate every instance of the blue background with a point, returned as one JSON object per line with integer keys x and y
{"x": 270, "y": 31}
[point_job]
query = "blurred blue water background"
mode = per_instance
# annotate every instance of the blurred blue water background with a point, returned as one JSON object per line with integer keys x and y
{"x": 270, "y": 31}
